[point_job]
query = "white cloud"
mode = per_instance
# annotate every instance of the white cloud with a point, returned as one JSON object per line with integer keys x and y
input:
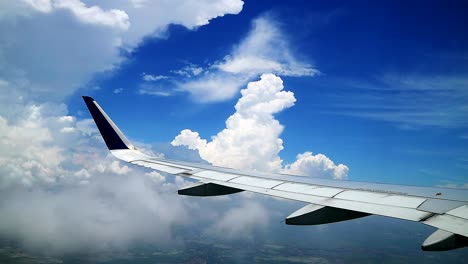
{"x": 92, "y": 15}
{"x": 152, "y": 78}
{"x": 41, "y": 5}
{"x": 118, "y": 90}
{"x": 190, "y": 139}
{"x": 316, "y": 165}
{"x": 251, "y": 137}
{"x": 265, "y": 49}
{"x": 154, "y": 90}
{"x": 189, "y": 71}
{"x": 213, "y": 87}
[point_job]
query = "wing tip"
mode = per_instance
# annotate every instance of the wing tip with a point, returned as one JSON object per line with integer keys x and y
{"x": 87, "y": 98}
{"x": 111, "y": 134}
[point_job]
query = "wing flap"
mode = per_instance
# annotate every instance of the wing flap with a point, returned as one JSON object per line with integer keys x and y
{"x": 449, "y": 223}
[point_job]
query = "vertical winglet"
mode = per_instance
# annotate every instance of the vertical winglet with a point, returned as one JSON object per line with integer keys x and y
{"x": 112, "y": 135}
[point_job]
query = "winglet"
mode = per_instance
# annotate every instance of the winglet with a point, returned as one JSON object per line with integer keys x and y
{"x": 112, "y": 135}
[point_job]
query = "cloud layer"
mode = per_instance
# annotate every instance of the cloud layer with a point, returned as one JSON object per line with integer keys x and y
{"x": 59, "y": 189}
{"x": 251, "y": 139}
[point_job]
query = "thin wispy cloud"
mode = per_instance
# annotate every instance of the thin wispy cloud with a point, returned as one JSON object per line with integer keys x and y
{"x": 407, "y": 101}
{"x": 265, "y": 49}
{"x": 152, "y": 78}
{"x": 118, "y": 90}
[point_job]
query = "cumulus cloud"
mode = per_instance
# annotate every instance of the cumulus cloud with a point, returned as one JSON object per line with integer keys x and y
{"x": 251, "y": 139}
{"x": 316, "y": 165}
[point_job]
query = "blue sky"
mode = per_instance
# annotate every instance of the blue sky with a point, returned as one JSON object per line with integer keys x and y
{"x": 389, "y": 102}
{"x": 364, "y": 91}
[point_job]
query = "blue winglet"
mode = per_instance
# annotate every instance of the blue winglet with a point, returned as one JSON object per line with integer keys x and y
{"x": 112, "y": 135}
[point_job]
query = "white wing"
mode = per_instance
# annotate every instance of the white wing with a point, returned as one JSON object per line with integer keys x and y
{"x": 328, "y": 200}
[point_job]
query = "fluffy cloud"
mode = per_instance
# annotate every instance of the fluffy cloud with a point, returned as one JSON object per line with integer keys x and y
{"x": 91, "y": 15}
{"x": 74, "y": 40}
{"x": 251, "y": 137}
{"x": 316, "y": 165}
{"x": 46, "y": 147}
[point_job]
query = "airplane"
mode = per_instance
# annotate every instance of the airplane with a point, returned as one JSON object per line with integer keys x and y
{"x": 328, "y": 200}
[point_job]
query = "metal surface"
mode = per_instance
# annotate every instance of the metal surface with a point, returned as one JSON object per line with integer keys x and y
{"x": 439, "y": 206}
{"x": 461, "y": 212}
{"x": 215, "y": 175}
{"x": 381, "y": 198}
{"x": 251, "y": 181}
{"x": 163, "y": 168}
{"x": 450, "y": 223}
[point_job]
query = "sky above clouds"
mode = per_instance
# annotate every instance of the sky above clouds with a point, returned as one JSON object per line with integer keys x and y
{"x": 362, "y": 91}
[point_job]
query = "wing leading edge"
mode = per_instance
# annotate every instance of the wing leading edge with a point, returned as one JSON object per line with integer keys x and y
{"x": 327, "y": 201}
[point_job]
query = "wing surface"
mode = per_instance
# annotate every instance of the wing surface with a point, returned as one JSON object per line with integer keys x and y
{"x": 327, "y": 200}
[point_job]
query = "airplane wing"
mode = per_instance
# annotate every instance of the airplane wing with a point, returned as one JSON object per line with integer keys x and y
{"x": 327, "y": 200}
